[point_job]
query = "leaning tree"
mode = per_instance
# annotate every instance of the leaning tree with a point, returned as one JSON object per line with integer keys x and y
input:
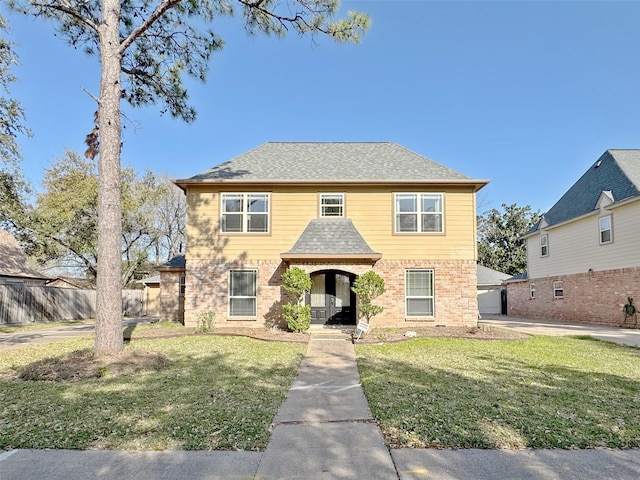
{"x": 145, "y": 48}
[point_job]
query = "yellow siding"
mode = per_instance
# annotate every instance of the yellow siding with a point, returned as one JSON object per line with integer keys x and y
{"x": 292, "y": 208}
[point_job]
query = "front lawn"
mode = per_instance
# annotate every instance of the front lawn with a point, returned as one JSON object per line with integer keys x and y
{"x": 544, "y": 392}
{"x": 212, "y": 393}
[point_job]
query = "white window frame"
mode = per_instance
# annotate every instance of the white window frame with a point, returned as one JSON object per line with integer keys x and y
{"x": 558, "y": 289}
{"x": 231, "y": 297}
{"x": 246, "y": 215}
{"x": 532, "y": 290}
{"x": 325, "y": 207}
{"x": 419, "y": 213}
{"x": 407, "y": 296}
{"x": 605, "y": 228}
{"x": 544, "y": 245}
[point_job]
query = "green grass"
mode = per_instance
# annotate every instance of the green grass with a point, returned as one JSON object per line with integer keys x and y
{"x": 544, "y": 392}
{"x": 218, "y": 393}
{"x": 40, "y": 326}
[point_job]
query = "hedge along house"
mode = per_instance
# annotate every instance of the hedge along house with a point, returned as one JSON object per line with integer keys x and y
{"x": 336, "y": 210}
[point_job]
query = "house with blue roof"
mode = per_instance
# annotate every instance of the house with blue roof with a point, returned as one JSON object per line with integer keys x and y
{"x": 336, "y": 210}
{"x": 583, "y": 256}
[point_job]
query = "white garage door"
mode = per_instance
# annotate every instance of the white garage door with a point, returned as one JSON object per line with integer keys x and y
{"x": 489, "y": 301}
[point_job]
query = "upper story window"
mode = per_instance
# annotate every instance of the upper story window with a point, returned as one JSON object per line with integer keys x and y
{"x": 544, "y": 245}
{"x": 606, "y": 229}
{"x": 419, "y": 213}
{"x": 245, "y": 213}
{"x": 332, "y": 204}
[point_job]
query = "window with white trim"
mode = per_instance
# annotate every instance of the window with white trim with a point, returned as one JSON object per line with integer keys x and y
{"x": 418, "y": 293}
{"x": 243, "y": 293}
{"x": 245, "y": 213}
{"x": 332, "y": 204}
{"x": 544, "y": 245}
{"x": 606, "y": 229}
{"x": 558, "y": 290}
{"x": 419, "y": 212}
{"x": 532, "y": 290}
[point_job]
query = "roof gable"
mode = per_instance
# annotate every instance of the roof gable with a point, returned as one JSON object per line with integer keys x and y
{"x": 616, "y": 171}
{"x": 347, "y": 162}
{"x": 13, "y": 261}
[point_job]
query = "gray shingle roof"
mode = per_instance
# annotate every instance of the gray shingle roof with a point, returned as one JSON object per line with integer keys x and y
{"x": 331, "y": 238}
{"x": 176, "y": 263}
{"x": 13, "y": 261}
{"x": 617, "y": 171}
{"x": 330, "y": 162}
{"x": 489, "y": 276}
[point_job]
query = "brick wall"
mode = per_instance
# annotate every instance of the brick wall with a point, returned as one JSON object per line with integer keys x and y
{"x": 171, "y": 309}
{"x": 591, "y": 297}
{"x": 455, "y": 290}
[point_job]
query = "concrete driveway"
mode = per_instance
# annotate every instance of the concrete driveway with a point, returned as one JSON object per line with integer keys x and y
{"x": 625, "y": 336}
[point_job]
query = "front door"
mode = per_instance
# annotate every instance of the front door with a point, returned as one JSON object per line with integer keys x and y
{"x": 332, "y": 301}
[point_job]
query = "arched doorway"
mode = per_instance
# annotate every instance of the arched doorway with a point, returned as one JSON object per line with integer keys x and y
{"x": 331, "y": 299}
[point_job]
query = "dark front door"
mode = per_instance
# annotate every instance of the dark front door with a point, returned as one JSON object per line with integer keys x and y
{"x": 332, "y": 301}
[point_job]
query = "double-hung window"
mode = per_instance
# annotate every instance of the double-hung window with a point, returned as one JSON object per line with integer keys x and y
{"x": 419, "y": 295}
{"x": 332, "y": 205}
{"x": 606, "y": 231}
{"x": 419, "y": 213}
{"x": 245, "y": 213}
{"x": 243, "y": 293}
{"x": 544, "y": 245}
{"x": 558, "y": 289}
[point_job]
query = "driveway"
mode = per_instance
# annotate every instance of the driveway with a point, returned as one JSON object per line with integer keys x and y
{"x": 625, "y": 336}
{"x": 56, "y": 333}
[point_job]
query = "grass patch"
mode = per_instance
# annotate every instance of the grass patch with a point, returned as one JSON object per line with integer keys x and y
{"x": 216, "y": 393}
{"x": 41, "y": 326}
{"x": 544, "y": 392}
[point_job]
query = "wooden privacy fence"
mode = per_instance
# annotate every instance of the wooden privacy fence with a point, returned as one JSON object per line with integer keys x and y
{"x": 20, "y": 304}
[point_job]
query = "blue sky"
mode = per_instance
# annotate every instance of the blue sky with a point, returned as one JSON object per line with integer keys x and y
{"x": 525, "y": 93}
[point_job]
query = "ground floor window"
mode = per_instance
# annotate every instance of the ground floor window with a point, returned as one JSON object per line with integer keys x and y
{"x": 558, "y": 289}
{"x": 419, "y": 294}
{"x": 243, "y": 293}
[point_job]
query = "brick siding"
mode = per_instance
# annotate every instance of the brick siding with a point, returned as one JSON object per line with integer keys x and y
{"x": 455, "y": 290}
{"x": 592, "y": 297}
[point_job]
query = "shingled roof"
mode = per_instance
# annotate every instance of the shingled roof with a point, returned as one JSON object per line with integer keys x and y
{"x": 13, "y": 261}
{"x": 616, "y": 172}
{"x": 348, "y": 162}
{"x": 331, "y": 238}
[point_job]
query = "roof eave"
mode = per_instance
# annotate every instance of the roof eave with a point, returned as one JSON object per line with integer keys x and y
{"x": 331, "y": 256}
{"x": 476, "y": 183}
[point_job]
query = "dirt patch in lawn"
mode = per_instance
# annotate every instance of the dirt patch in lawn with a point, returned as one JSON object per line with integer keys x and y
{"x": 85, "y": 365}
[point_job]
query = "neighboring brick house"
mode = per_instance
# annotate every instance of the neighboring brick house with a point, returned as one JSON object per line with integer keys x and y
{"x": 336, "y": 210}
{"x": 583, "y": 256}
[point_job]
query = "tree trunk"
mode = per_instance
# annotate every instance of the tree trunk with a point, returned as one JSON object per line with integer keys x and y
{"x": 108, "y": 332}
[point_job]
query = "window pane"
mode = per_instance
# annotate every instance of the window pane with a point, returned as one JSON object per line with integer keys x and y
{"x": 232, "y": 222}
{"x": 432, "y": 203}
{"x": 243, "y": 284}
{"x": 417, "y": 307}
{"x": 605, "y": 236}
{"x": 343, "y": 291}
{"x": 258, "y": 203}
{"x": 318, "y": 298}
{"x": 406, "y": 203}
{"x": 418, "y": 284}
{"x": 258, "y": 222}
{"x": 407, "y": 222}
{"x": 232, "y": 203}
{"x": 242, "y": 307}
{"x": 332, "y": 211}
{"x": 431, "y": 222}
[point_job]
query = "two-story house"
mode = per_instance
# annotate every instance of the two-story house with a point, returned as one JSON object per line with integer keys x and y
{"x": 336, "y": 210}
{"x": 583, "y": 256}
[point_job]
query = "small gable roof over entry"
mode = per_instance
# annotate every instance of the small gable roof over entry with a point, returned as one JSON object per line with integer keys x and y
{"x": 331, "y": 239}
{"x": 331, "y": 162}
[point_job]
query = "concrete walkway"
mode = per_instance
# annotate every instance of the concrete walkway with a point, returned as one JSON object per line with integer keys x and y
{"x": 324, "y": 430}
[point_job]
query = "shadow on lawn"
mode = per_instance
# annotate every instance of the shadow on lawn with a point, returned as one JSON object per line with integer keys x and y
{"x": 203, "y": 401}
{"x": 484, "y": 399}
